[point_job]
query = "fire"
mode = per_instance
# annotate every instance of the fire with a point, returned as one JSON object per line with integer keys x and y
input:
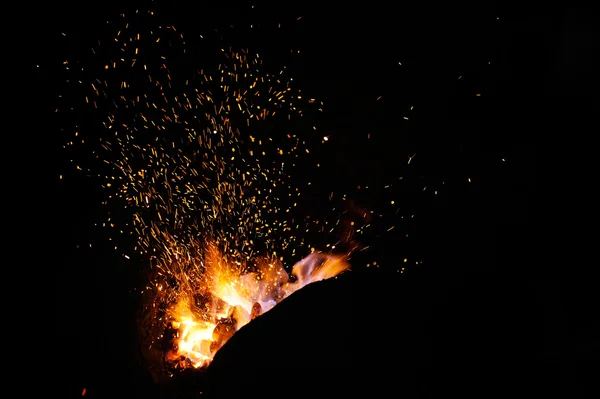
{"x": 197, "y": 163}
{"x": 229, "y": 297}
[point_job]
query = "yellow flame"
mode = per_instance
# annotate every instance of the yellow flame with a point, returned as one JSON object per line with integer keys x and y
{"x": 230, "y": 298}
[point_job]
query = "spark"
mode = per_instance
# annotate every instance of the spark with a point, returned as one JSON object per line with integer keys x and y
{"x": 190, "y": 157}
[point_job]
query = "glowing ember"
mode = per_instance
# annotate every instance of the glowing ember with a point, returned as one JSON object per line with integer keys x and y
{"x": 225, "y": 299}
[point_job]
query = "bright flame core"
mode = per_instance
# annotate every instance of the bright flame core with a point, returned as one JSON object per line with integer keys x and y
{"x": 229, "y": 297}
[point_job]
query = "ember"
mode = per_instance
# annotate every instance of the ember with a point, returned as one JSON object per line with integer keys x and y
{"x": 230, "y": 299}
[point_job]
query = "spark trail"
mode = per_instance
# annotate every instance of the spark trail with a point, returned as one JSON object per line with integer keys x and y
{"x": 199, "y": 161}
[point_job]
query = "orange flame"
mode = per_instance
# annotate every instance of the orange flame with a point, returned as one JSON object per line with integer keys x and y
{"x": 230, "y": 298}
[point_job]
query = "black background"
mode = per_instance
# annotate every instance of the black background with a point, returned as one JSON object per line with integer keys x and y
{"x": 509, "y": 254}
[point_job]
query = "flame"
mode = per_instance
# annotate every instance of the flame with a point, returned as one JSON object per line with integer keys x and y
{"x": 230, "y": 297}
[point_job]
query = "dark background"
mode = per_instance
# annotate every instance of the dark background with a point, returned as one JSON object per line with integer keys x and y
{"x": 508, "y": 256}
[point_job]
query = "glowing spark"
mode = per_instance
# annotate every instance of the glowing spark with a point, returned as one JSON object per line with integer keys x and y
{"x": 204, "y": 200}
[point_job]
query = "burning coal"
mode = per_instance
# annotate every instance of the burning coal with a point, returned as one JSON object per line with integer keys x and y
{"x": 226, "y": 298}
